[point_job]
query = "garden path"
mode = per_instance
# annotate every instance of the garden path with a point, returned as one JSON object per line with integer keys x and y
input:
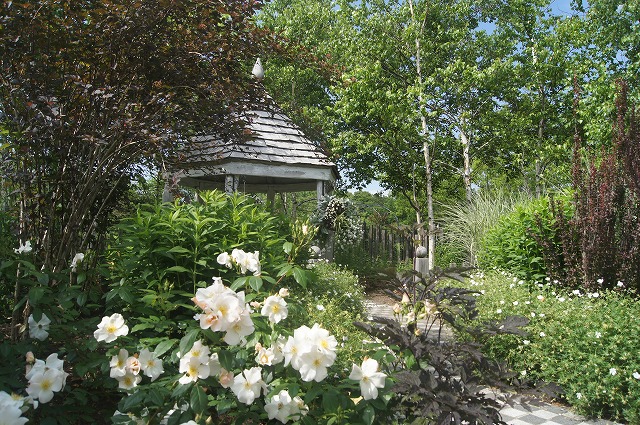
{"x": 380, "y": 305}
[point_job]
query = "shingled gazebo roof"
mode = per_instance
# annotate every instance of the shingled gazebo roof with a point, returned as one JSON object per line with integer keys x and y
{"x": 278, "y": 157}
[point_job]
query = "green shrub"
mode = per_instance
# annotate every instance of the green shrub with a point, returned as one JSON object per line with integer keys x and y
{"x": 335, "y": 299}
{"x": 173, "y": 246}
{"x": 510, "y": 244}
{"x": 585, "y": 342}
{"x": 236, "y": 327}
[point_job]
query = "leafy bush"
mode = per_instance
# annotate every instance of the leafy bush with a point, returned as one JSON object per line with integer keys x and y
{"x": 71, "y": 306}
{"x": 599, "y": 245}
{"x": 587, "y": 342}
{"x": 511, "y": 244}
{"x": 171, "y": 247}
{"x": 207, "y": 353}
{"x": 335, "y": 299}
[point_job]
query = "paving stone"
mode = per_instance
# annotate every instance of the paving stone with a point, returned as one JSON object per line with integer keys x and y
{"x": 545, "y": 414}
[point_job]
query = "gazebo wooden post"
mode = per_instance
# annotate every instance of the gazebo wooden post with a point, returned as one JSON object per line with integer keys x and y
{"x": 231, "y": 183}
{"x": 271, "y": 196}
{"x": 320, "y": 190}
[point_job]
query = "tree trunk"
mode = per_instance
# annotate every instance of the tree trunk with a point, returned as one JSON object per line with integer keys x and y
{"x": 430, "y": 219}
{"x": 538, "y": 163}
{"x": 425, "y": 147}
{"x": 466, "y": 173}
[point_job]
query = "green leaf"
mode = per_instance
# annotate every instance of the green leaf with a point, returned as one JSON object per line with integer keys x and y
{"x": 255, "y": 282}
{"x": 187, "y": 341}
{"x": 368, "y": 415}
{"x": 226, "y": 359}
{"x": 36, "y": 294}
{"x": 179, "y": 250}
{"x": 133, "y": 400}
{"x": 312, "y": 394}
{"x": 178, "y": 269}
{"x": 239, "y": 283}
{"x": 82, "y": 298}
{"x": 164, "y": 346}
{"x": 198, "y": 399}
{"x": 300, "y": 276}
{"x": 180, "y": 390}
{"x": 287, "y": 246}
{"x": 330, "y": 401}
{"x": 284, "y": 269}
{"x": 141, "y": 326}
{"x": 155, "y": 397}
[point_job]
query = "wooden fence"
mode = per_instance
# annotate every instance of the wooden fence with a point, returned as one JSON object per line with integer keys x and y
{"x": 387, "y": 244}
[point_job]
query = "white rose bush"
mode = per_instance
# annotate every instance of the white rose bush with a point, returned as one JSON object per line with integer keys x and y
{"x": 238, "y": 359}
{"x": 169, "y": 343}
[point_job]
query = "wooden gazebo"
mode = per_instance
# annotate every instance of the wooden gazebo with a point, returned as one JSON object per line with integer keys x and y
{"x": 276, "y": 158}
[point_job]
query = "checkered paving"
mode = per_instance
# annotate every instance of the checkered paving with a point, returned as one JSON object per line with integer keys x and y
{"x": 545, "y": 415}
{"x": 517, "y": 414}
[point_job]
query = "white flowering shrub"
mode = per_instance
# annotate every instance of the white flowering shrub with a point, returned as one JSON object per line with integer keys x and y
{"x": 237, "y": 358}
{"x": 340, "y": 216}
{"x": 208, "y": 340}
{"x": 585, "y": 341}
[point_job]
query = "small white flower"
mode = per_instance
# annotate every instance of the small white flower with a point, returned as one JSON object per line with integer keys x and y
{"x": 598, "y": 334}
{"x": 636, "y": 375}
{"x": 499, "y": 311}
{"x": 620, "y": 284}
{"x": 561, "y": 299}
{"x": 369, "y": 377}
{"x": 526, "y": 342}
{"x": 613, "y": 371}
{"x": 247, "y": 385}
{"x": 150, "y": 364}
{"x": 515, "y": 303}
{"x": 283, "y": 292}
{"x": 542, "y": 334}
{"x": 523, "y": 373}
{"x": 23, "y": 249}
{"x": 110, "y": 328}
{"x": 320, "y": 307}
{"x": 128, "y": 381}
{"x": 275, "y": 308}
{"x": 224, "y": 259}
{"x": 39, "y": 330}
{"x": 78, "y": 258}
{"x": 578, "y": 396}
{"x": 600, "y": 281}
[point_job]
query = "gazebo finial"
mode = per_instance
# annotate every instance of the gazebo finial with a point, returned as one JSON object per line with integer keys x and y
{"x": 258, "y": 71}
